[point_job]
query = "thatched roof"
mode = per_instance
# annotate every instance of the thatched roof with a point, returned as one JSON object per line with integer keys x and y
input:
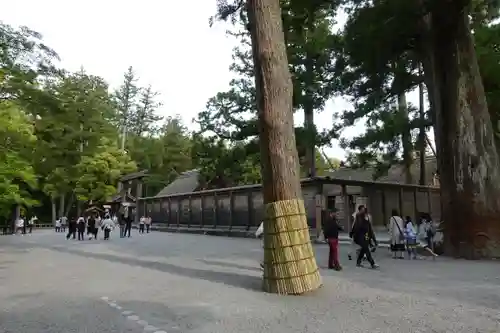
{"x": 187, "y": 182}
{"x": 396, "y": 174}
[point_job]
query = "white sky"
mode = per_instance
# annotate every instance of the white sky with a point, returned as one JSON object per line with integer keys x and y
{"x": 169, "y": 44}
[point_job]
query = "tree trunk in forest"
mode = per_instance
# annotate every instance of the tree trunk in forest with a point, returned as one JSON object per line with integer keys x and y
{"x": 54, "y": 210}
{"x": 289, "y": 263}
{"x": 309, "y": 103}
{"x": 62, "y": 200}
{"x": 406, "y": 138}
{"x": 69, "y": 204}
{"x": 422, "y": 135}
{"x": 469, "y": 163}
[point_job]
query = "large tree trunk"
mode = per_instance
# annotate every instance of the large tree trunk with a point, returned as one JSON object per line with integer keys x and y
{"x": 62, "y": 200}
{"x": 54, "y": 210}
{"x": 309, "y": 103}
{"x": 406, "y": 138}
{"x": 469, "y": 163}
{"x": 421, "y": 134}
{"x": 289, "y": 263}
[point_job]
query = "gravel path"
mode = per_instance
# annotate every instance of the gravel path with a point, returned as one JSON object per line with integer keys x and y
{"x": 200, "y": 284}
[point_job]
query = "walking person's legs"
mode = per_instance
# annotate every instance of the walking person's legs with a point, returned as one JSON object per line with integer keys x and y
{"x": 147, "y": 228}
{"x": 361, "y": 254}
{"x": 333, "y": 257}
{"x": 352, "y": 249}
{"x": 365, "y": 251}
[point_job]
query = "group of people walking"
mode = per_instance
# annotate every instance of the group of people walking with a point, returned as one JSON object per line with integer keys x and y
{"x": 88, "y": 226}
{"x": 405, "y": 237}
{"x": 361, "y": 233}
{"x": 22, "y": 227}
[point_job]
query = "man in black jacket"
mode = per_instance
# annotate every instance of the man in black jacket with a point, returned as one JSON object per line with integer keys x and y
{"x": 331, "y": 231}
{"x": 362, "y": 234}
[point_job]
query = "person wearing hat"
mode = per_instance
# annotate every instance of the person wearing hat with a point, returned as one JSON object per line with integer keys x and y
{"x": 331, "y": 232}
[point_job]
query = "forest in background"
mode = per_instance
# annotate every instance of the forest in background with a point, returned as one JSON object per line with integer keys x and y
{"x": 62, "y": 132}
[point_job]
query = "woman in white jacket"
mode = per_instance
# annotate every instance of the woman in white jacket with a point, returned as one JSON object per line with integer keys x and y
{"x": 107, "y": 225}
{"x": 396, "y": 233}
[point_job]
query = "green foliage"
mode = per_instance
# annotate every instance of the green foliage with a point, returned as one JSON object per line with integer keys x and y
{"x": 98, "y": 174}
{"x": 487, "y": 39}
{"x": 224, "y": 164}
{"x": 379, "y": 59}
{"x": 166, "y": 155}
{"x": 17, "y": 175}
{"x": 230, "y": 118}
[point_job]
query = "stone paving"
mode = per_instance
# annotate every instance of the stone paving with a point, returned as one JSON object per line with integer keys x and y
{"x": 171, "y": 283}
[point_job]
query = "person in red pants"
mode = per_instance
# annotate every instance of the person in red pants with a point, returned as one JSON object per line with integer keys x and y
{"x": 331, "y": 231}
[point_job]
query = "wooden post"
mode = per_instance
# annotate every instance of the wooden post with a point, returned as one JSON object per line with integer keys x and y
{"x": 202, "y": 214}
{"x": 178, "y": 213}
{"x": 429, "y": 201}
{"x": 190, "y": 211}
{"x": 250, "y": 212}
{"x": 216, "y": 209}
{"x": 169, "y": 211}
{"x": 384, "y": 209}
{"x": 347, "y": 211}
{"x": 318, "y": 215}
{"x": 415, "y": 203}
{"x": 138, "y": 194}
{"x": 400, "y": 199}
{"x": 231, "y": 210}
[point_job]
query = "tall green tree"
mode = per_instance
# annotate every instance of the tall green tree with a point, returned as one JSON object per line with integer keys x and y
{"x": 98, "y": 173}
{"x": 310, "y": 42}
{"x": 439, "y": 36}
{"x": 144, "y": 119}
{"x": 71, "y": 130}
{"x": 126, "y": 101}
{"x": 17, "y": 175}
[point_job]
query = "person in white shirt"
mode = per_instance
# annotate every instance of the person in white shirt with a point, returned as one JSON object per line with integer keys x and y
{"x": 31, "y": 223}
{"x": 80, "y": 226}
{"x": 259, "y": 234}
{"x": 64, "y": 223}
{"x": 396, "y": 232}
{"x": 148, "y": 224}
{"x": 20, "y": 225}
{"x": 142, "y": 222}
{"x": 58, "y": 225}
{"x": 107, "y": 226}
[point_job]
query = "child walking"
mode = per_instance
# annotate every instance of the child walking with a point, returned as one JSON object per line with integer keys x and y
{"x": 411, "y": 239}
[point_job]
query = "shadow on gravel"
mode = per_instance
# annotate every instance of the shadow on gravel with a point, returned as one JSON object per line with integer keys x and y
{"x": 232, "y": 279}
{"x": 228, "y": 264}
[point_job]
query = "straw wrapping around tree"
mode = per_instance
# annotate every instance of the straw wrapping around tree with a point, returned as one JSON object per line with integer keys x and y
{"x": 289, "y": 263}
